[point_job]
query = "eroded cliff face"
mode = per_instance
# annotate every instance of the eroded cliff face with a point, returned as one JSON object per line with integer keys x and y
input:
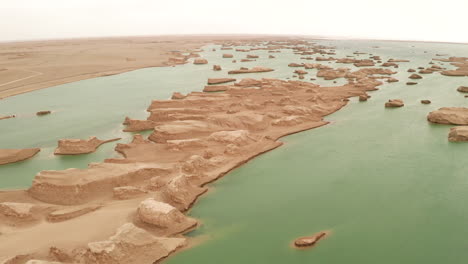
{"x": 131, "y": 209}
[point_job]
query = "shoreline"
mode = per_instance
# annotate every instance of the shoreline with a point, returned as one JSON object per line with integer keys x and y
{"x": 115, "y": 59}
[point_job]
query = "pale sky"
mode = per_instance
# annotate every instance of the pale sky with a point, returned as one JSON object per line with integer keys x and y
{"x": 429, "y": 20}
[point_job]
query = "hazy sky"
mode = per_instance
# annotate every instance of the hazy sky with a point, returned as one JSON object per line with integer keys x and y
{"x": 435, "y": 20}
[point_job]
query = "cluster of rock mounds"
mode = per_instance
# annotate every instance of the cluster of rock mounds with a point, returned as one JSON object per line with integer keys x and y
{"x": 460, "y": 62}
{"x": 196, "y": 139}
{"x": 178, "y": 58}
{"x": 331, "y": 74}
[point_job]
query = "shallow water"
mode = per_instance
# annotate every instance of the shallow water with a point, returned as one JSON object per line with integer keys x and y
{"x": 388, "y": 184}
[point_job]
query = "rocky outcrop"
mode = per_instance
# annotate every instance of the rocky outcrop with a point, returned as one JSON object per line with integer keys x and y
{"x": 217, "y": 67}
{"x": 220, "y": 80}
{"x": 217, "y": 88}
{"x": 449, "y": 115}
{"x": 333, "y": 74}
{"x": 15, "y": 155}
{"x": 133, "y": 125}
{"x": 425, "y": 101}
{"x": 163, "y": 215}
{"x": 324, "y": 59}
{"x": 309, "y": 241}
{"x": 293, "y": 64}
{"x": 415, "y": 76}
{"x": 390, "y": 64}
{"x": 248, "y": 82}
{"x": 177, "y": 95}
{"x": 41, "y": 113}
{"x": 347, "y": 60}
{"x": 289, "y": 121}
{"x": 394, "y": 103}
{"x": 181, "y": 193}
{"x": 459, "y": 133}
{"x": 237, "y": 137}
{"x": 391, "y": 79}
{"x": 411, "y": 70}
{"x": 250, "y": 56}
{"x": 364, "y": 63}
{"x": 228, "y": 55}
{"x": 78, "y": 186}
{"x": 200, "y": 61}
{"x": 17, "y": 211}
{"x": 252, "y": 70}
{"x": 397, "y": 60}
{"x": 300, "y": 72}
{"x": 130, "y": 244}
{"x": 463, "y": 89}
{"x": 411, "y": 83}
{"x": 79, "y": 146}
{"x": 363, "y": 97}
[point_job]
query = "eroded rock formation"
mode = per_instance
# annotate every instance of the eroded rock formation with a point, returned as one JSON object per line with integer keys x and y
{"x": 309, "y": 241}
{"x": 220, "y": 80}
{"x": 449, "y": 115}
{"x": 463, "y": 89}
{"x": 252, "y": 70}
{"x": 130, "y": 244}
{"x": 200, "y": 61}
{"x": 79, "y": 146}
{"x": 459, "y": 133}
{"x": 41, "y": 113}
{"x": 195, "y": 139}
{"x": 394, "y": 103}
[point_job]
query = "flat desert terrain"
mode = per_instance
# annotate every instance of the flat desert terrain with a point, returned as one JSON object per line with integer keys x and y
{"x": 32, "y": 65}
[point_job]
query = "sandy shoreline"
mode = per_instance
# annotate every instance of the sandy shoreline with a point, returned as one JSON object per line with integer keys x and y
{"x": 32, "y": 65}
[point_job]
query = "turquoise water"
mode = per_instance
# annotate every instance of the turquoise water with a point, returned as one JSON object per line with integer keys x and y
{"x": 385, "y": 182}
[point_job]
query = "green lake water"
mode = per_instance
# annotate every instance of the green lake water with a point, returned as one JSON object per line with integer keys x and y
{"x": 385, "y": 182}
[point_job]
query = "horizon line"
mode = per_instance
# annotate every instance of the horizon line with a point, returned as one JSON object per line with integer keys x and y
{"x": 312, "y": 37}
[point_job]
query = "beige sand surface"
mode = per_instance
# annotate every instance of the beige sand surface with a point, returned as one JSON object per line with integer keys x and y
{"x": 28, "y": 66}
